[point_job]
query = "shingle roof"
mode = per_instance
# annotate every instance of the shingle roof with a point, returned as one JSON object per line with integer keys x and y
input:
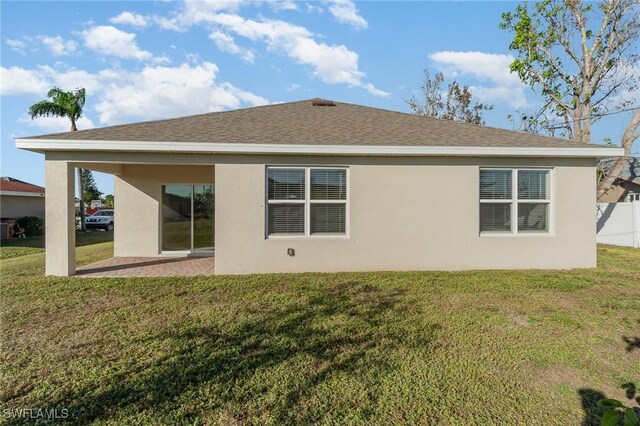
{"x": 630, "y": 170}
{"x": 15, "y": 185}
{"x": 302, "y": 123}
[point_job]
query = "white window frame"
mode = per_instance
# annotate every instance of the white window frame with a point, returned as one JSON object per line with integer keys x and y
{"x": 307, "y": 202}
{"x": 514, "y": 202}
{"x": 633, "y": 196}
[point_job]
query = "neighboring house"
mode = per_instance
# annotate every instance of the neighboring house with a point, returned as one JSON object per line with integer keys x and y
{"x": 321, "y": 186}
{"x": 19, "y": 199}
{"x": 626, "y": 187}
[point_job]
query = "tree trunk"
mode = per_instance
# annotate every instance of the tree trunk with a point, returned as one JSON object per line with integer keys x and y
{"x": 581, "y": 117}
{"x": 628, "y": 138}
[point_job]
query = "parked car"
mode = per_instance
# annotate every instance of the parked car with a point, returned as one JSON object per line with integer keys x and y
{"x": 102, "y": 219}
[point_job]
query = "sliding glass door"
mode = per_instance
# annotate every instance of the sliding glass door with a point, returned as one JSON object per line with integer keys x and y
{"x": 203, "y": 214}
{"x": 188, "y": 217}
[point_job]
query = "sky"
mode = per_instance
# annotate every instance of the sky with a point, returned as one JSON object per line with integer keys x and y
{"x": 148, "y": 60}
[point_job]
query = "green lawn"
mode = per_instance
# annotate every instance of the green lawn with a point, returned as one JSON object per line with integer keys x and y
{"x": 495, "y": 347}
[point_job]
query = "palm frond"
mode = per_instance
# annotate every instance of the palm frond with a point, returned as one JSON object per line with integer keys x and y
{"x": 47, "y": 109}
{"x": 55, "y": 93}
{"x": 63, "y": 104}
{"x": 81, "y": 96}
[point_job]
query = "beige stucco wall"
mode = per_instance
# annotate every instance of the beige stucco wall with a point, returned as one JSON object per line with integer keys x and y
{"x": 138, "y": 201}
{"x": 60, "y": 224}
{"x": 17, "y": 206}
{"x": 406, "y": 214}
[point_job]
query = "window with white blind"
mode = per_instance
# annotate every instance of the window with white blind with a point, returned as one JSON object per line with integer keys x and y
{"x": 514, "y": 201}
{"x": 306, "y": 201}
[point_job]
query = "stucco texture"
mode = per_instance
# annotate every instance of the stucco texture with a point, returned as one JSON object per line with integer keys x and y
{"x": 406, "y": 214}
{"x": 138, "y": 204}
{"x": 418, "y": 213}
{"x": 17, "y": 206}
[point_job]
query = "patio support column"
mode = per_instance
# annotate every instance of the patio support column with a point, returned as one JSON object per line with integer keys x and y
{"x": 60, "y": 220}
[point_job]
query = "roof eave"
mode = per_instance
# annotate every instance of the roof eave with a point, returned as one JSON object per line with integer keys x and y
{"x": 44, "y": 145}
{"x": 21, "y": 193}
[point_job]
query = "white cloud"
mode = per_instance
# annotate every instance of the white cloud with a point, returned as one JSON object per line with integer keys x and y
{"x": 486, "y": 67}
{"x": 157, "y": 92}
{"x": 55, "y": 124}
{"x": 345, "y": 11}
{"x": 57, "y": 45}
{"x": 278, "y": 5}
{"x": 150, "y": 93}
{"x": 161, "y": 60}
{"x": 170, "y": 24}
{"x": 311, "y": 8}
{"x": 130, "y": 18}
{"x": 17, "y": 81}
{"x": 332, "y": 64}
{"x": 512, "y": 96}
{"x": 489, "y": 66}
{"x": 226, "y": 43}
{"x": 110, "y": 41}
{"x": 17, "y": 45}
{"x": 196, "y": 11}
{"x": 38, "y": 81}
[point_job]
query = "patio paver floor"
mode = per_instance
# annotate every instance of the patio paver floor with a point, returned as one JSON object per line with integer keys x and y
{"x": 148, "y": 267}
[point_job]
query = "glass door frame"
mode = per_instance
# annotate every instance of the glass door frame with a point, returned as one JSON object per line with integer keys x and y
{"x": 191, "y": 251}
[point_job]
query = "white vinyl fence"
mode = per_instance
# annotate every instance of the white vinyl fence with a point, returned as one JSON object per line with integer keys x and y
{"x": 619, "y": 224}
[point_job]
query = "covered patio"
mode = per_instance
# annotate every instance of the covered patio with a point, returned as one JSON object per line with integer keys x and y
{"x": 163, "y": 215}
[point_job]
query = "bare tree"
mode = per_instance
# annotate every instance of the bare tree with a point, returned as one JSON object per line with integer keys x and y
{"x": 456, "y": 106}
{"x": 583, "y": 59}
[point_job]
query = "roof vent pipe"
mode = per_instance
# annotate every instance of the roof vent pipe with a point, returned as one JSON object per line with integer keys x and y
{"x": 322, "y": 102}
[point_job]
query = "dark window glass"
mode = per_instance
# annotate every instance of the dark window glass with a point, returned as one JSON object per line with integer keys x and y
{"x": 328, "y": 184}
{"x": 286, "y": 219}
{"x": 285, "y": 184}
{"x": 533, "y": 217}
{"x": 495, "y": 217}
{"x": 533, "y": 184}
{"x": 328, "y": 218}
{"x": 495, "y": 184}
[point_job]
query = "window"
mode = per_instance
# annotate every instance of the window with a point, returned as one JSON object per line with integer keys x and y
{"x": 306, "y": 201}
{"x": 514, "y": 200}
{"x": 632, "y": 196}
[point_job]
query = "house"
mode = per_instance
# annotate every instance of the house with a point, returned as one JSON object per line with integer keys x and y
{"x": 317, "y": 185}
{"x": 626, "y": 187}
{"x": 19, "y": 199}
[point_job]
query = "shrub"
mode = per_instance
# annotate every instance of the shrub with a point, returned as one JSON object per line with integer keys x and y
{"x": 616, "y": 412}
{"x": 32, "y": 225}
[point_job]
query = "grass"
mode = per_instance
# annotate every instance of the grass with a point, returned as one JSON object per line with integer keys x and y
{"x": 491, "y": 347}
{"x": 33, "y": 245}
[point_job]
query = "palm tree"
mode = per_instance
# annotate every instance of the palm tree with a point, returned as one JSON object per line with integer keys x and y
{"x": 69, "y": 105}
